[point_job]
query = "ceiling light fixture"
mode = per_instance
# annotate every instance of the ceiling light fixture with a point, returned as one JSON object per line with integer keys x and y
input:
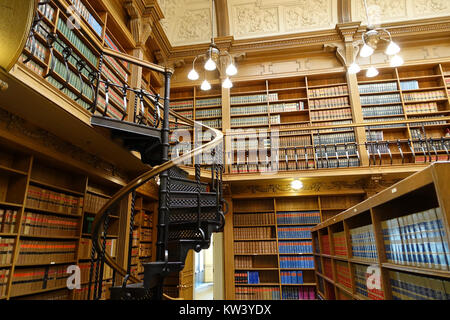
{"x": 370, "y": 40}
{"x": 212, "y": 58}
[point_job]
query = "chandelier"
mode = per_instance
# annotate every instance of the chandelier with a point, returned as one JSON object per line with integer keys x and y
{"x": 371, "y": 39}
{"x": 212, "y": 57}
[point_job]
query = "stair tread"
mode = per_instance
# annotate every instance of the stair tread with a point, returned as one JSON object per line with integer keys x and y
{"x": 125, "y": 126}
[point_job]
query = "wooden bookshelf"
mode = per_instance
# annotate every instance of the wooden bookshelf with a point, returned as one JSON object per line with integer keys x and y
{"x": 359, "y": 257}
{"x": 271, "y": 244}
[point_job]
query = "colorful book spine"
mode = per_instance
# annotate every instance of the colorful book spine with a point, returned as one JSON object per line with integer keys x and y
{"x": 291, "y": 233}
{"x": 334, "y": 138}
{"x": 257, "y": 293}
{"x": 406, "y": 286}
{"x": 40, "y": 198}
{"x": 205, "y": 113}
{"x": 363, "y": 277}
{"x": 325, "y": 239}
{"x": 381, "y": 99}
{"x": 417, "y": 240}
{"x": 253, "y": 233}
{"x": 333, "y": 114}
{"x": 343, "y": 274}
{"x": 383, "y": 111}
{"x": 425, "y": 95}
{"x": 6, "y": 250}
{"x": 254, "y": 247}
{"x": 340, "y": 244}
{"x": 378, "y": 87}
{"x": 46, "y": 252}
{"x": 81, "y": 9}
{"x": 8, "y": 220}
{"x": 329, "y": 103}
{"x": 254, "y": 98}
{"x": 211, "y": 102}
{"x": 363, "y": 243}
{"x": 253, "y": 218}
{"x": 298, "y": 247}
{"x": 36, "y": 224}
{"x": 299, "y": 218}
{"x": 328, "y": 91}
{"x": 288, "y": 262}
{"x": 327, "y": 268}
{"x": 291, "y": 277}
{"x": 4, "y": 279}
{"x": 300, "y": 293}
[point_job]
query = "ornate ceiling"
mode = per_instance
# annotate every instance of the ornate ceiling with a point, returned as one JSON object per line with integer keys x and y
{"x": 188, "y": 22}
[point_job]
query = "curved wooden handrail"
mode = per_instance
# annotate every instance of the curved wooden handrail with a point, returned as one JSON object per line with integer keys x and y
{"x": 139, "y": 181}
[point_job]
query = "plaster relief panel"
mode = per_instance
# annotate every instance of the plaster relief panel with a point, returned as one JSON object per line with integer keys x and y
{"x": 186, "y": 21}
{"x": 384, "y": 11}
{"x": 258, "y": 18}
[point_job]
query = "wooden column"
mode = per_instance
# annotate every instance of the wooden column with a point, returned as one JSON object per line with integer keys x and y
{"x": 347, "y": 55}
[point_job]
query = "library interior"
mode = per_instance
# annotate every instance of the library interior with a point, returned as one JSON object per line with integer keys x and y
{"x": 224, "y": 150}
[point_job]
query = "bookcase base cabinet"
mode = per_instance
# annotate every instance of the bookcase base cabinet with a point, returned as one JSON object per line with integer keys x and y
{"x": 392, "y": 246}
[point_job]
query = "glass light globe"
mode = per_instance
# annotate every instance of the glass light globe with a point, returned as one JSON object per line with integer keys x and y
{"x": 193, "y": 75}
{"x": 210, "y": 65}
{"x": 366, "y": 51}
{"x": 231, "y": 70}
{"x": 392, "y": 49}
{"x": 396, "y": 61}
{"x": 205, "y": 85}
{"x": 296, "y": 184}
{"x": 354, "y": 68}
{"x": 372, "y": 72}
{"x": 227, "y": 84}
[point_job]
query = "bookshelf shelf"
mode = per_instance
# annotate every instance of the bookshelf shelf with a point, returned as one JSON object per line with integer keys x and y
{"x": 44, "y": 264}
{"x": 29, "y": 208}
{"x": 38, "y": 291}
{"x": 56, "y": 188}
{"x": 10, "y": 204}
{"x": 430, "y": 272}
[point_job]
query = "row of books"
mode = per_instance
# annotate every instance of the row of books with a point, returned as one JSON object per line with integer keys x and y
{"x": 382, "y": 111}
{"x": 250, "y": 144}
{"x": 286, "y": 107}
{"x": 145, "y": 234}
{"x": 343, "y": 275}
{"x": 257, "y": 293}
{"x": 304, "y": 247}
{"x": 46, "y": 252}
{"x": 144, "y": 219}
{"x": 331, "y": 114}
{"x": 363, "y": 243}
{"x": 36, "y": 48}
{"x": 294, "y": 141}
{"x": 334, "y": 163}
{"x": 77, "y": 42}
{"x": 145, "y": 249}
{"x": 254, "y": 247}
{"x": 243, "y": 262}
{"x": 329, "y": 91}
{"x": 46, "y": 10}
{"x": 377, "y": 87}
{"x": 260, "y": 120}
{"x": 300, "y": 293}
{"x": 113, "y": 97}
{"x": 327, "y": 268}
{"x": 254, "y": 98}
{"x": 33, "y": 66}
{"x": 112, "y": 111}
{"x": 299, "y": 165}
{"x": 29, "y": 280}
{"x": 375, "y": 135}
{"x": 291, "y": 277}
{"x": 85, "y": 248}
{"x": 291, "y": 233}
{"x": 409, "y": 85}
{"x": 296, "y": 262}
{"x": 425, "y": 95}
{"x": 4, "y": 279}
{"x": 381, "y": 99}
{"x": 8, "y": 220}
{"x": 421, "y": 108}
{"x": 37, "y": 224}
{"x": 72, "y": 59}
{"x": 84, "y": 12}
{"x": 298, "y": 218}
{"x": 330, "y": 103}
{"x": 346, "y": 137}
{"x": 45, "y": 199}
{"x": 94, "y": 203}
{"x": 249, "y": 277}
{"x": 214, "y": 123}
{"x": 407, "y": 286}
{"x": 247, "y": 110}
{"x": 340, "y": 244}
{"x": 332, "y": 150}
{"x": 6, "y": 250}
{"x": 111, "y": 76}
{"x": 417, "y": 240}
{"x": 203, "y": 113}
{"x": 253, "y": 233}
{"x": 182, "y": 104}
{"x": 83, "y": 293}
{"x": 118, "y": 67}
{"x": 249, "y": 219}
{"x": 208, "y": 102}
{"x": 67, "y": 92}
{"x": 325, "y": 240}
{"x": 386, "y": 126}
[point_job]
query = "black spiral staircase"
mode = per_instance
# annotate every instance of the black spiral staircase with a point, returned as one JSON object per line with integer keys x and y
{"x": 190, "y": 210}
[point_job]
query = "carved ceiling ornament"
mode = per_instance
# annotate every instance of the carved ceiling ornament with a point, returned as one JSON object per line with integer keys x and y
{"x": 186, "y": 21}
{"x": 275, "y": 17}
{"x": 21, "y": 128}
{"x": 382, "y": 11}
